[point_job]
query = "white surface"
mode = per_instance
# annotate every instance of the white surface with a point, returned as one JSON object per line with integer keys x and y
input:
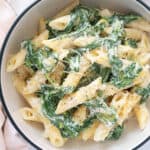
{"x": 19, "y": 5}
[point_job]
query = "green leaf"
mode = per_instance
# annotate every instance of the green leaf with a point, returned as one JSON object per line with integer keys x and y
{"x": 81, "y": 17}
{"x": 144, "y": 93}
{"x": 125, "y": 77}
{"x": 102, "y": 111}
{"x": 131, "y": 42}
{"x": 50, "y": 96}
{"x": 93, "y": 72}
{"x": 74, "y": 63}
{"x": 127, "y": 18}
{"x": 115, "y": 133}
{"x": 39, "y": 58}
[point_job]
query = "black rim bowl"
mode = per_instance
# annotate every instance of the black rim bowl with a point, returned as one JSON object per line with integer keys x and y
{"x": 1, "y": 93}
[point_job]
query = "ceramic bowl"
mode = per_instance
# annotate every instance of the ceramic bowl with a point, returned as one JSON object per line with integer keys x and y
{"x": 25, "y": 27}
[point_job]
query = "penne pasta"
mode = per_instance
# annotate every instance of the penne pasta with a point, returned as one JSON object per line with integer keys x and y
{"x": 42, "y": 25}
{"x": 37, "y": 41}
{"x": 16, "y": 60}
{"x": 83, "y": 94}
{"x": 67, "y": 9}
{"x": 73, "y": 78}
{"x": 140, "y": 24}
{"x": 142, "y": 115}
{"x": 84, "y": 74}
{"x": 33, "y": 84}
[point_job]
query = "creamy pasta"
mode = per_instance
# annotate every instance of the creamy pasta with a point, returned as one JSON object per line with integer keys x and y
{"x": 84, "y": 73}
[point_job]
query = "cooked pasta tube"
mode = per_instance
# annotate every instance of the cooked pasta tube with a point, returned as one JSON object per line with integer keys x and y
{"x": 101, "y": 132}
{"x": 51, "y": 132}
{"x": 16, "y": 60}
{"x": 130, "y": 33}
{"x": 88, "y": 134}
{"x": 106, "y": 13}
{"x": 58, "y": 44}
{"x": 57, "y": 73}
{"x": 124, "y": 102}
{"x": 60, "y": 23}
{"x": 83, "y": 41}
{"x": 142, "y": 115}
{"x": 73, "y": 78}
{"x": 37, "y": 41}
{"x": 42, "y": 25}
{"x": 145, "y": 43}
{"x": 140, "y": 24}
{"x": 99, "y": 57}
{"x": 34, "y": 83}
{"x": 67, "y": 9}
{"x": 68, "y": 42}
{"x": 80, "y": 114}
{"x": 83, "y": 94}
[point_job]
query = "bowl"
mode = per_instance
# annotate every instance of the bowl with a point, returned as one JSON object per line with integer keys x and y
{"x": 25, "y": 27}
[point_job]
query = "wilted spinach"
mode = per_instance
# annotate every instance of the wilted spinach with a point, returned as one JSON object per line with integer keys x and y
{"x": 50, "y": 97}
{"x": 115, "y": 133}
{"x": 125, "y": 77}
{"x": 127, "y": 18}
{"x": 120, "y": 77}
{"x": 131, "y": 42}
{"x": 98, "y": 109}
{"x": 72, "y": 61}
{"x": 81, "y": 17}
{"x": 104, "y": 113}
{"x": 39, "y": 58}
{"x": 93, "y": 72}
{"x": 144, "y": 92}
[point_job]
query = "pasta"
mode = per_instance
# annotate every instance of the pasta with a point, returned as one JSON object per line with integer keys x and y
{"x": 51, "y": 132}
{"x": 124, "y": 103}
{"x": 140, "y": 24}
{"x": 101, "y": 132}
{"x": 67, "y": 9}
{"x": 142, "y": 115}
{"x": 16, "y": 60}
{"x": 60, "y": 23}
{"x": 33, "y": 84}
{"x": 88, "y": 133}
{"x": 79, "y": 97}
{"x": 73, "y": 78}
{"x": 42, "y": 25}
{"x": 84, "y": 74}
{"x": 80, "y": 114}
{"x": 37, "y": 41}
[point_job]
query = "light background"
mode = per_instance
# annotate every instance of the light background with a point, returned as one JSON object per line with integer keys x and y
{"x": 10, "y": 9}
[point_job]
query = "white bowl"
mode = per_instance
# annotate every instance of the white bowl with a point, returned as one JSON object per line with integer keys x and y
{"x": 25, "y": 27}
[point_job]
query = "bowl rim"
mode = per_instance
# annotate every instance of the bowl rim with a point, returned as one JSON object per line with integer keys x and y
{"x": 2, "y": 98}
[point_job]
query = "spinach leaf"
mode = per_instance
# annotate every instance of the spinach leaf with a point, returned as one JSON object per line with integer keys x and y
{"x": 116, "y": 64}
{"x": 127, "y": 18}
{"x": 73, "y": 61}
{"x": 39, "y": 58}
{"x": 144, "y": 92}
{"x": 125, "y": 77}
{"x": 50, "y": 96}
{"x": 115, "y": 133}
{"x": 120, "y": 77}
{"x": 81, "y": 17}
{"x": 118, "y": 32}
{"x": 131, "y": 42}
{"x": 93, "y": 72}
{"x": 98, "y": 108}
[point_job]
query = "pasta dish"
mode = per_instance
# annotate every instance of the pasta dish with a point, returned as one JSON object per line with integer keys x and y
{"x": 84, "y": 73}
